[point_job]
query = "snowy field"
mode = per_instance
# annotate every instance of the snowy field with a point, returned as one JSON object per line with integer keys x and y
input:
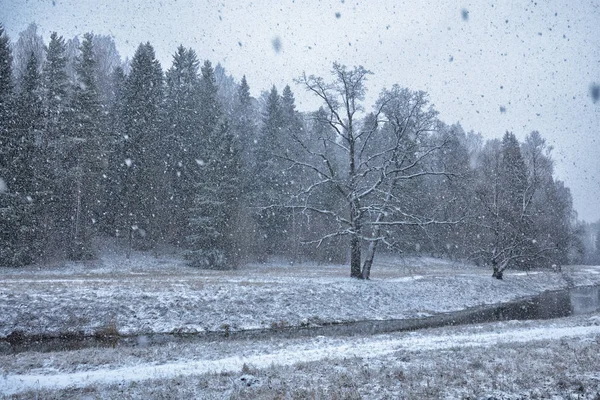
{"x": 161, "y": 295}
{"x": 555, "y": 359}
{"x": 146, "y": 294}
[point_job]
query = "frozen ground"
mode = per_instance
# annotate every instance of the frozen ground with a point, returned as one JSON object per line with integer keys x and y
{"x": 534, "y": 359}
{"x": 160, "y": 294}
{"x": 510, "y": 360}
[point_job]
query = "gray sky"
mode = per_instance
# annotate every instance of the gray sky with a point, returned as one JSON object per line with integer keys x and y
{"x": 536, "y": 59}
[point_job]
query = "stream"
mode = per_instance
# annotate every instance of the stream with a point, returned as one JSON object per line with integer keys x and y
{"x": 547, "y": 305}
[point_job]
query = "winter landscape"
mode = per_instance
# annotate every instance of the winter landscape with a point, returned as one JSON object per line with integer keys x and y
{"x": 281, "y": 304}
{"x": 318, "y": 200}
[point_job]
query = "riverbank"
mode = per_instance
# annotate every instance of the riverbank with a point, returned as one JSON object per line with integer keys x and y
{"x": 504, "y": 360}
{"x": 150, "y": 295}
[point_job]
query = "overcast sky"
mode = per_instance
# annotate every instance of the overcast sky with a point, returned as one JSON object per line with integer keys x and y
{"x": 493, "y": 66}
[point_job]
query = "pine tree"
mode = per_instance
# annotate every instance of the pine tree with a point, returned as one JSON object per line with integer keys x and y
{"x": 55, "y": 85}
{"x": 54, "y": 207}
{"x": 29, "y": 110}
{"x": 513, "y": 236}
{"x": 6, "y": 85}
{"x": 15, "y": 209}
{"x": 245, "y": 131}
{"x": 21, "y": 158}
{"x": 183, "y": 139}
{"x": 513, "y": 177}
{"x": 270, "y": 180}
{"x": 6, "y": 104}
{"x": 114, "y": 214}
{"x": 211, "y": 239}
{"x": 87, "y": 155}
{"x": 143, "y": 165}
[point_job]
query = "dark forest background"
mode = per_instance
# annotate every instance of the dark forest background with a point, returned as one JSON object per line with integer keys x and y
{"x": 92, "y": 146}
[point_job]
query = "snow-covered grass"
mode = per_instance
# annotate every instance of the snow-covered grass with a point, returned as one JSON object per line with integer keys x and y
{"x": 148, "y": 294}
{"x": 152, "y": 294}
{"x": 507, "y": 360}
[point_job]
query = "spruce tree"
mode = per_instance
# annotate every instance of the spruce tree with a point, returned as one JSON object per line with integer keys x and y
{"x": 183, "y": 138}
{"x": 55, "y": 84}
{"x": 513, "y": 237}
{"x": 270, "y": 179}
{"x": 6, "y": 105}
{"x": 29, "y": 110}
{"x": 20, "y": 161}
{"x": 513, "y": 177}
{"x": 114, "y": 217}
{"x": 144, "y": 167}
{"x": 6, "y": 84}
{"x": 212, "y": 239}
{"x": 87, "y": 155}
{"x": 246, "y": 130}
{"x": 244, "y": 126}
{"x": 597, "y": 243}
{"x": 53, "y": 175}
{"x": 15, "y": 209}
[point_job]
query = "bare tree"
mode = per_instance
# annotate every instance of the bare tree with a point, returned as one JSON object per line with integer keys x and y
{"x": 365, "y": 162}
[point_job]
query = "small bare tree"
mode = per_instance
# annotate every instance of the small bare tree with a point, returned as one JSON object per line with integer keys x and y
{"x": 364, "y": 162}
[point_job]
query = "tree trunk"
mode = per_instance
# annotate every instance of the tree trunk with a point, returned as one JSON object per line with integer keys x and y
{"x": 366, "y": 271}
{"x": 355, "y": 241}
{"x": 355, "y": 256}
{"x": 497, "y": 273}
{"x": 499, "y": 270}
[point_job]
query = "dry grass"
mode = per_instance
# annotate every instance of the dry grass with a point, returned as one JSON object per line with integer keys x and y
{"x": 561, "y": 369}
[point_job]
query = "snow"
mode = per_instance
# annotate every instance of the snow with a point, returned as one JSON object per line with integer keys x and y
{"x": 309, "y": 350}
{"x": 146, "y": 294}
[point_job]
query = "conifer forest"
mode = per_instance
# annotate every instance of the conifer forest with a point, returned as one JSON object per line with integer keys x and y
{"x": 182, "y": 156}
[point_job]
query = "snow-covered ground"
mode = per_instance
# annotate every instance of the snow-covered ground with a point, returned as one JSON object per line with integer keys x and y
{"x": 149, "y": 294}
{"x": 559, "y": 357}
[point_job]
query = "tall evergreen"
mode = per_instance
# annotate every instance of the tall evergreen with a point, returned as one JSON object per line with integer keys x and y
{"x": 88, "y": 153}
{"x": 6, "y": 85}
{"x": 270, "y": 179}
{"x": 29, "y": 121}
{"x": 114, "y": 217}
{"x": 183, "y": 139}
{"x": 6, "y": 103}
{"x": 513, "y": 177}
{"x": 291, "y": 118}
{"x": 21, "y": 158}
{"x": 54, "y": 210}
{"x": 15, "y": 208}
{"x": 56, "y": 86}
{"x": 212, "y": 239}
{"x": 143, "y": 165}
{"x": 245, "y": 130}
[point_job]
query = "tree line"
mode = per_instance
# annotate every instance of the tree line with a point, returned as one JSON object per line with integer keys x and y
{"x": 91, "y": 146}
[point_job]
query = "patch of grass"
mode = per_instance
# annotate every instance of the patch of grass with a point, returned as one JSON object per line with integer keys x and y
{"x": 107, "y": 331}
{"x": 249, "y": 369}
{"x": 226, "y": 328}
{"x": 279, "y": 324}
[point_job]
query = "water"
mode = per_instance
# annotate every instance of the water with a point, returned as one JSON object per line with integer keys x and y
{"x": 547, "y": 305}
